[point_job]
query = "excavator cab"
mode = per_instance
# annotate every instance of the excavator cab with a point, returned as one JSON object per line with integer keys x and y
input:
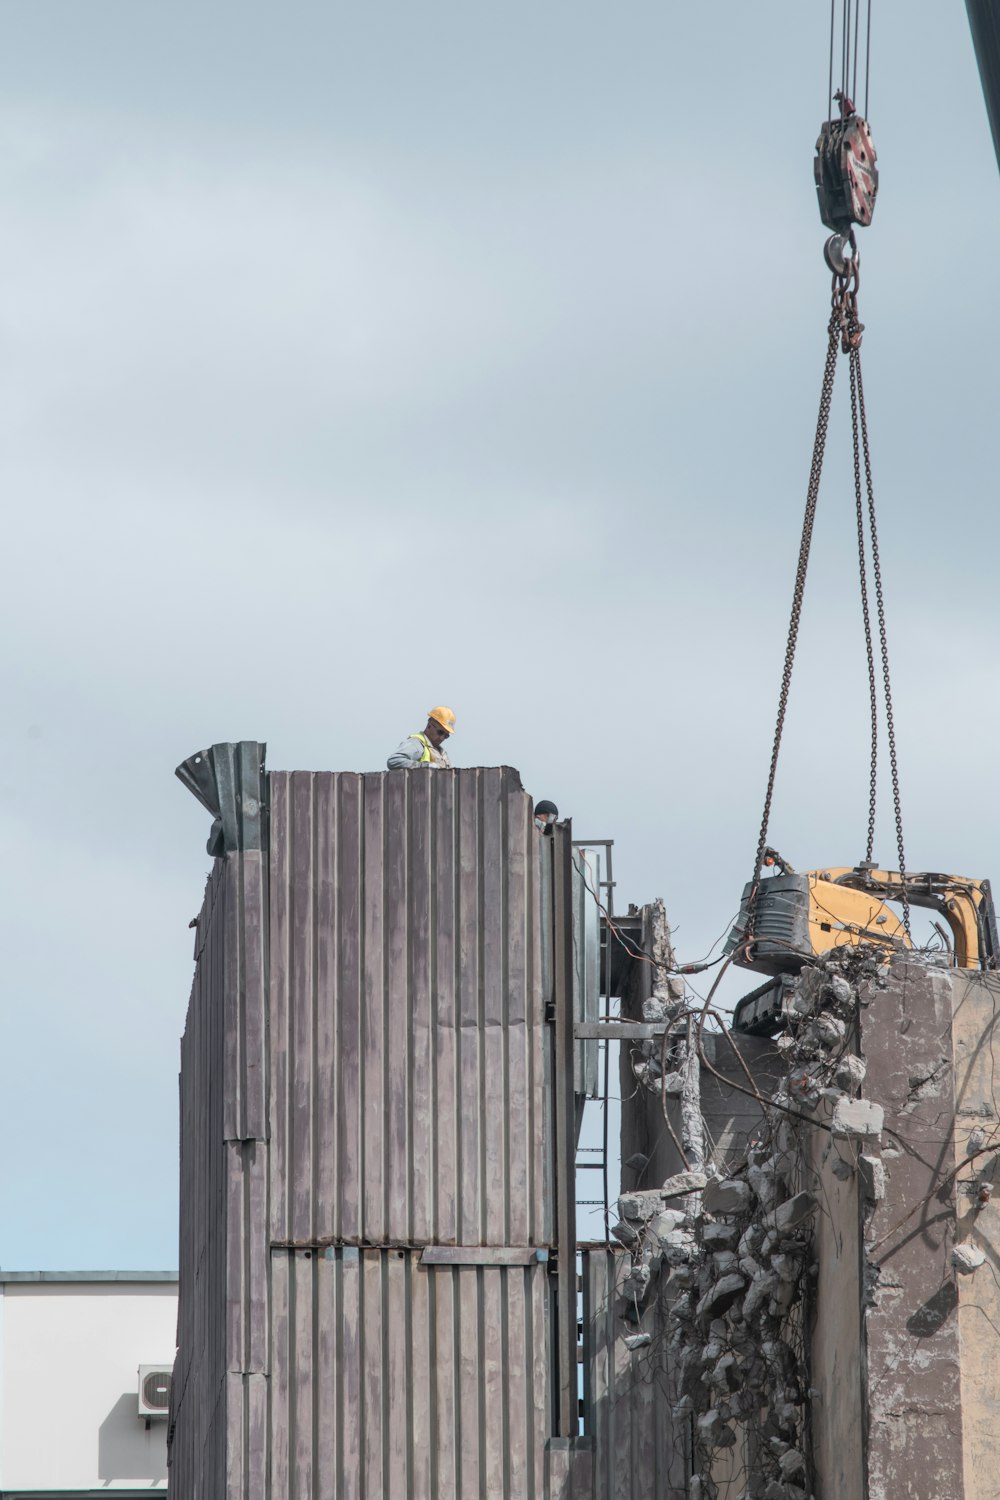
{"x": 795, "y": 917}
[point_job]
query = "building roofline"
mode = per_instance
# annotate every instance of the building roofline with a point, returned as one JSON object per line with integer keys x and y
{"x": 87, "y": 1276}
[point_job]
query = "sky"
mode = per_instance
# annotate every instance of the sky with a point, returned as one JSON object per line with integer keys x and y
{"x": 355, "y": 359}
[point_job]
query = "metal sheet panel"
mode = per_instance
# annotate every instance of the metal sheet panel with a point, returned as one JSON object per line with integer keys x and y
{"x": 219, "y": 1390}
{"x": 395, "y": 1379}
{"x": 627, "y": 1393}
{"x": 197, "y": 1434}
{"x": 407, "y": 1024}
{"x": 586, "y": 965}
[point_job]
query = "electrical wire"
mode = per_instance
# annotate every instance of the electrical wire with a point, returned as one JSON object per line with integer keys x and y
{"x": 633, "y": 952}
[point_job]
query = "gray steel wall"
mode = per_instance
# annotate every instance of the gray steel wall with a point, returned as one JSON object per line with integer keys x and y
{"x": 396, "y": 1379}
{"x": 367, "y": 1069}
{"x": 627, "y": 1392}
{"x": 198, "y": 1407}
{"x": 407, "y": 1031}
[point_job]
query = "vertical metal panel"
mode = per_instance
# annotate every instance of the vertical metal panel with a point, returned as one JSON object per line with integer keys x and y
{"x": 564, "y": 1132}
{"x": 627, "y": 1393}
{"x": 395, "y": 1379}
{"x": 197, "y": 1439}
{"x": 586, "y": 965}
{"x": 218, "y": 1435}
{"x": 407, "y": 1022}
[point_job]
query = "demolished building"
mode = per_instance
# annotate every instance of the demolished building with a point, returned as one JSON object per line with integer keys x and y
{"x": 381, "y": 1289}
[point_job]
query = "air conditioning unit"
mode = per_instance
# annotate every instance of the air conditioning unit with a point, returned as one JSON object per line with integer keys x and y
{"x": 154, "y": 1390}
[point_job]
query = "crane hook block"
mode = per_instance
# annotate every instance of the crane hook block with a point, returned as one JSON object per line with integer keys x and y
{"x": 845, "y": 172}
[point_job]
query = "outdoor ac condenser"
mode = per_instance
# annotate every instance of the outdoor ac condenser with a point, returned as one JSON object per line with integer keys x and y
{"x": 154, "y": 1390}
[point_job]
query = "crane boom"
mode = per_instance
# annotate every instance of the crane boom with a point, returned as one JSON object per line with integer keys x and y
{"x": 984, "y": 19}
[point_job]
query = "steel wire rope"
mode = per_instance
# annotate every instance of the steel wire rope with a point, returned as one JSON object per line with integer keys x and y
{"x": 828, "y": 107}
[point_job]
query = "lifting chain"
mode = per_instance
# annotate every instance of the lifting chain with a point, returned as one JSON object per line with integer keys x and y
{"x": 844, "y": 333}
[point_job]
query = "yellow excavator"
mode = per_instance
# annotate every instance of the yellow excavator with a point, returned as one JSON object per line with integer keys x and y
{"x": 796, "y": 917}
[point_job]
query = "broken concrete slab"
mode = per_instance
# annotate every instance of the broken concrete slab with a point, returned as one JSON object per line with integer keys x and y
{"x": 683, "y": 1182}
{"x": 967, "y": 1258}
{"x": 761, "y": 1287}
{"x": 718, "y": 1236}
{"x": 666, "y": 1221}
{"x": 722, "y": 1295}
{"x": 787, "y": 1266}
{"x": 724, "y": 1261}
{"x": 727, "y": 1195}
{"x": 859, "y": 1119}
{"x": 764, "y": 1181}
{"x": 792, "y": 1212}
{"x": 850, "y": 1073}
{"x": 641, "y": 1206}
{"x": 872, "y": 1177}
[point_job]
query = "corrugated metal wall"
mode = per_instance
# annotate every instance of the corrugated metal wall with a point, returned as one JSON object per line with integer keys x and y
{"x": 393, "y": 1379}
{"x": 408, "y": 1099}
{"x": 638, "y": 1454}
{"x": 367, "y": 1070}
{"x": 198, "y": 1404}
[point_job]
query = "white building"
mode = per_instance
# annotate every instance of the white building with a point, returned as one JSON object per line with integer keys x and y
{"x": 71, "y": 1344}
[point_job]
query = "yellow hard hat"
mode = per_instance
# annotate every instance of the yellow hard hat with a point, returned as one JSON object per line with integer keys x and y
{"x": 443, "y": 716}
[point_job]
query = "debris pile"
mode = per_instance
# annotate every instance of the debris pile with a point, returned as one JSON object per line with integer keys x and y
{"x": 728, "y": 1249}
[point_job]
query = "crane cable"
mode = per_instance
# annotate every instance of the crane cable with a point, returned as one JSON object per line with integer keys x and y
{"x": 844, "y": 333}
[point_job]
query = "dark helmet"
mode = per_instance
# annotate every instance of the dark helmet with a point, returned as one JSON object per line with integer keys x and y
{"x": 546, "y": 809}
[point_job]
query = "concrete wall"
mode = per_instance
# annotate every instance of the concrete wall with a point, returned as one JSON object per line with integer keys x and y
{"x": 900, "y": 1316}
{"x": 914, "y": 1389}
{"x": 69, "y": 1356}
{"x": 976, "y": 1010}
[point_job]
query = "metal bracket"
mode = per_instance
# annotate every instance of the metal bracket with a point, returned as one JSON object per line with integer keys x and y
{"x": 618, "y": 1031}
{"x": 483, "y": 1255}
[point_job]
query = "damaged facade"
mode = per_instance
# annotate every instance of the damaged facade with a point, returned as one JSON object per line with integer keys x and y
{"x": 380, "y": 1092}
{"x": 829, "y": 1297}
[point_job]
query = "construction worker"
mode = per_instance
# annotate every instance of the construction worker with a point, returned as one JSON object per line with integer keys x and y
{"x": 546, "y": 813}
{"x": 424, "y": 749}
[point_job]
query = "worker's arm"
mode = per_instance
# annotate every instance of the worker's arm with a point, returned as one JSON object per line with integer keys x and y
{"x": 406, "y": 756}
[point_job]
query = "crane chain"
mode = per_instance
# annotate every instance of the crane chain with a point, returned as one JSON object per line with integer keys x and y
{"x": 883, "y": 638}
{"x": 834, "y": 334}
{"x": 863, "y": 575}
{"x": 844, "y": 333}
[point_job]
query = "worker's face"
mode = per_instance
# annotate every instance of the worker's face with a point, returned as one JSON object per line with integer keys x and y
{"x": 436, "y": 733}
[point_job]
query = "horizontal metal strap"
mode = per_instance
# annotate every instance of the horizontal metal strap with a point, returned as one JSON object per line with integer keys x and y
{"x": 618, "y": 1031}
{"x": 483, "y": 1255}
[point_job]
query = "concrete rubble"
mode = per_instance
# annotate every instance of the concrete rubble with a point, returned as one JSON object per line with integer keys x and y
{"x": 731, "y": 1268}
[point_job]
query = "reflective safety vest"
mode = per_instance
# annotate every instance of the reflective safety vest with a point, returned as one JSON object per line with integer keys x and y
{"x": 430, "y": 756}
{"x": 427, "y": 756}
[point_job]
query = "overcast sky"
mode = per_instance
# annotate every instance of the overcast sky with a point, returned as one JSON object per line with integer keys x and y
{"x": 355, "y": 359}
